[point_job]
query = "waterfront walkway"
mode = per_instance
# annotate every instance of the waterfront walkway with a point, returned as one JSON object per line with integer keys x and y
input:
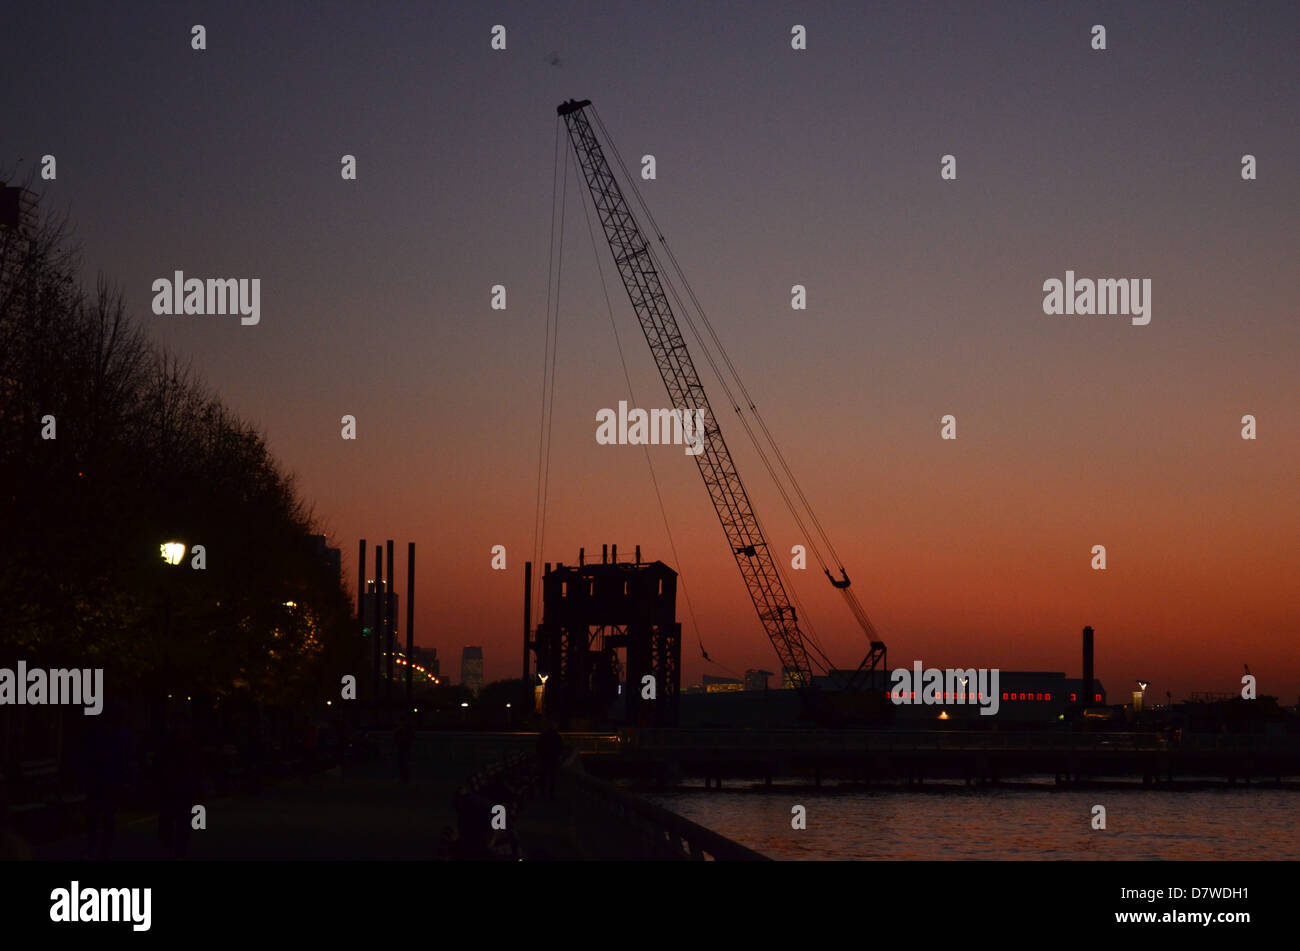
{"x": 367, "y": 813}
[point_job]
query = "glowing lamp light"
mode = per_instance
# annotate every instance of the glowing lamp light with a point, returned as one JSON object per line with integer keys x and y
{"x": 172, "y": 552}
{"x": 943, "y": 714}
{"x": 1143, "y": 684}
{"x": 291, "y": 604}
{"x": 464, "y": 703}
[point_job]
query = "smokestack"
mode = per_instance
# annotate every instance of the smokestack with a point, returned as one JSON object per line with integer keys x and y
{"x": 390, "y": 627}
{"x": 638, "y": 554}
{"x": 361, "y": 586}
{"x": 604, "y": 554}
{"x": 528, "y": 612}
{"x": 613, "y": 554}
{"x": 377, "y": 630}
{"x": 1087, "y": 666}
{"x": 582, "y": 557}
{"x": 410, "y": 619}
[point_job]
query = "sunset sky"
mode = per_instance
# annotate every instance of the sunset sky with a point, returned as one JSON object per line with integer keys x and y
{"x": 775, "y": 167}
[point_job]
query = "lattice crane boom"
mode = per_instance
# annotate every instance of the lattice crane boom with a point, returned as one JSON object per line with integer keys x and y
{"x": 645, "y": 289}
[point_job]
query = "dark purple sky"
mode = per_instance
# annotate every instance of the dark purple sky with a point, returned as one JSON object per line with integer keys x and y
{"x": 775, "y": 167}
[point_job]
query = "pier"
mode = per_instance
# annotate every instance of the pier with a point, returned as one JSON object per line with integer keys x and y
{"x": 670, "y": 756}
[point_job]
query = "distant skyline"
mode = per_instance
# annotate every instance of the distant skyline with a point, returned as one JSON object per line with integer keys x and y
{"x": 775, "y": 167}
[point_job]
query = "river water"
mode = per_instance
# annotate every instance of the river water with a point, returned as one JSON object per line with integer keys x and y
{"x": 959, "y": 822}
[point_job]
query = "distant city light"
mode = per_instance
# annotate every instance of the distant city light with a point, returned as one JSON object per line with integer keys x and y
{"x": 464, "y": 703}
{"x": 943, "y": 714}
{"x": 291, "y": 604}
{"x": 172, "y": 552}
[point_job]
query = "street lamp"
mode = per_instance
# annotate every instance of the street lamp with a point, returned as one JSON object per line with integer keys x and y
{"x": 1139, "y": 696}
{"x": 172, "y": 553}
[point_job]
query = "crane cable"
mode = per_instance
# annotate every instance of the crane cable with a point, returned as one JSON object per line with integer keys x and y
{"x": 812, "y": 639}
{"x": 554, "y": 264}
{"x": 749, "y": 400}
{"x": 713, "y": 365}
{"x": 727, "y": 360}
{"x": 663, "y": 511}
{"x": 850, "y": 597}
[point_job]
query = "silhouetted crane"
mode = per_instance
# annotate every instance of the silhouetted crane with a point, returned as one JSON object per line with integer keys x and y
{"x": 639, "y": 268}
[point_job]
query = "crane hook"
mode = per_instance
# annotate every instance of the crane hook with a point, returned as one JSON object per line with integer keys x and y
{"x": 839, "y": 584}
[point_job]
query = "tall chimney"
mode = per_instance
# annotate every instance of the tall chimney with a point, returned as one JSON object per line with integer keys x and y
{"x": 604, "y": 554}
{"x": 638, "y": 554}
{"x": 390, "y": 627}
{"x": 361, "y": 586}
{"x": 1087, "y": 666}
{"x": 528, "y": 613}
{"x": 377, "y": 632}
{"x": 410, "y": 619}
{"x": 613, "y": 554}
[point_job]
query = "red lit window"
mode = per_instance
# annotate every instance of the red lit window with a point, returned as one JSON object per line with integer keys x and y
{"x": 1004, "y": 695}
{"x": 1049, "y": 696}
{"x": 1099, "y": 698}
{"x": 1073, "y": 698}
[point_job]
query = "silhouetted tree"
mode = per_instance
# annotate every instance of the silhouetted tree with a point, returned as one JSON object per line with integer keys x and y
{"x": 143, "y": 454}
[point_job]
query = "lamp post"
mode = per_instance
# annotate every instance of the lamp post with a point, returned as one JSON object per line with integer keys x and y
{"x": 539, "y": 694}
{"x": 1139, "y": 695}
{"x": 173, "y": 553}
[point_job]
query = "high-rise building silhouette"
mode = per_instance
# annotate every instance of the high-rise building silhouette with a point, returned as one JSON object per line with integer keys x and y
{"x": 471, "y": 669}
